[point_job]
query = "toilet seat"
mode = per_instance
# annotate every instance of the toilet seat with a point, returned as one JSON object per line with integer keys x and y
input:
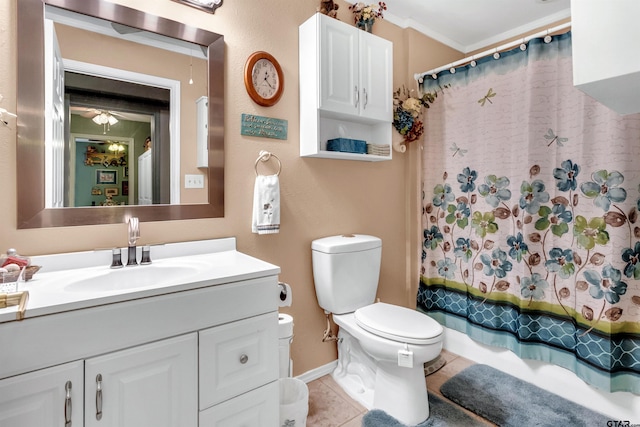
{"x": 398, "y": 323}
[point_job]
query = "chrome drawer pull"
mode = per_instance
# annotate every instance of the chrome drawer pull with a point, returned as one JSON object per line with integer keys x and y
{"x": 244, "y": 359}
{"x": 99, "y": 397}
{"x": 67, "y": 405}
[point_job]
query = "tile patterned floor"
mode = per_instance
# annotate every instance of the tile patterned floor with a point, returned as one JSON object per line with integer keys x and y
{"x": 330, "y": 406}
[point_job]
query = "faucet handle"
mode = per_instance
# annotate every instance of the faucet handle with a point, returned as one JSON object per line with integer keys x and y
{"x": 116, "y": 258}
{"x": 134, "y": 230}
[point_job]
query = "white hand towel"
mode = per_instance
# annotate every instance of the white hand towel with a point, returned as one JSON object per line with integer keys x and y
{"x": 266, "y": 205}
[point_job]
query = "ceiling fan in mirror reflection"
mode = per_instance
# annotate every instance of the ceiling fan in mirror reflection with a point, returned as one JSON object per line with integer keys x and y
{"x": 106, "y": 119}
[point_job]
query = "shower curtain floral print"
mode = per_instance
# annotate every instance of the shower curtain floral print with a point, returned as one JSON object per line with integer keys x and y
{"x": 531, "y": 228}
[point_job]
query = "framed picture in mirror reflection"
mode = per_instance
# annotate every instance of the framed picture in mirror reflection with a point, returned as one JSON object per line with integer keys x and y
{"x": 105, "y": 176}
{"x": 111, "y": 191}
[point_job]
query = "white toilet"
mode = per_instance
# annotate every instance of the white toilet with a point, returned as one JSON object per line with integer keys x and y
{"x": 382, "y": 347}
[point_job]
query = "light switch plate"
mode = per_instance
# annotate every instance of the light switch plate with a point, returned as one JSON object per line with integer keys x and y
{"x": 193, "y": 181}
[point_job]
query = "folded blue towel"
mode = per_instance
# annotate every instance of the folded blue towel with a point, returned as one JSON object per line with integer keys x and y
{"x": 347, "y": 145}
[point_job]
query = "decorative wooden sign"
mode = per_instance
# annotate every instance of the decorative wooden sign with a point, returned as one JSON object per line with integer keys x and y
{"x": 264, "y": 127}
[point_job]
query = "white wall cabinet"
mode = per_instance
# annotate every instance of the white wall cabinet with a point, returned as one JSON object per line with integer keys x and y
{"x": 51, "y": 397}
{"x": 604, "y": 41}
{"x": 202, "y": 132}
{"x": 346, "y": 78}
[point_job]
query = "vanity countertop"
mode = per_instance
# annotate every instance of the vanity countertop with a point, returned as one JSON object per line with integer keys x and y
{"x": 59, "y": 287}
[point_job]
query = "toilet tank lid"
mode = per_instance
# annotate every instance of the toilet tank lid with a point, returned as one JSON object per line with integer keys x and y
{"x": 346, "y": 243}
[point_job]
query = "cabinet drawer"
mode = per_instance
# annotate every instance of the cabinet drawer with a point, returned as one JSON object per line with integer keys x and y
{"x": 237, "y": 357}
{"x": 257, "y": 408}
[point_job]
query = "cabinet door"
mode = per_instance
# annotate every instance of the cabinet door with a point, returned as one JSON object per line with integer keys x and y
{"x": 49, "y": 397}
{"x": 145, "y": 178}
{"x": 154, "y": 385}
{"x": 257, "y": 408}
{"x": 376, "y": 75}
{"x": 339, "y": 90}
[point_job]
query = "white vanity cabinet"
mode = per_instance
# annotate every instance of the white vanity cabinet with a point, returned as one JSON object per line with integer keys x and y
{"x": 150, "y": 385}
{"x": 346, "y": 78}
{"x": 200, "y": 352}
{"x": 49, "y": 397}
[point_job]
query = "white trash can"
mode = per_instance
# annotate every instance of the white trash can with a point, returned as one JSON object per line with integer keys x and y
{"x": 294, "y": 402}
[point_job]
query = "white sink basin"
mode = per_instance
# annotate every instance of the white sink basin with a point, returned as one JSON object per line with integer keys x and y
{"x": 127, "y": 278}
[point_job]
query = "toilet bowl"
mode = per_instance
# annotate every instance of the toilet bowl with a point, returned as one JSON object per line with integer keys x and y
{"x": 369, "y": 354}
{"x": 382, "y": 347}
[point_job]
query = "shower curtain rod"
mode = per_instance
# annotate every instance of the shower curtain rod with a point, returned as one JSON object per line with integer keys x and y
{"x": 419, "y": 76}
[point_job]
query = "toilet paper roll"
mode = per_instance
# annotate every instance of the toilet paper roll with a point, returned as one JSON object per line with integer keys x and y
{"x": 285, "y": 326}
{"x": 284, "y": 295}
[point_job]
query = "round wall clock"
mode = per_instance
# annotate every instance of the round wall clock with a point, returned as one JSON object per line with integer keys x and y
{"x": 263, "y": 79}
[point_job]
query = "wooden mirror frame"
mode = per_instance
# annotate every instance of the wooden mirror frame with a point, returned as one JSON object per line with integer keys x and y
{"x": 31, "y": 212}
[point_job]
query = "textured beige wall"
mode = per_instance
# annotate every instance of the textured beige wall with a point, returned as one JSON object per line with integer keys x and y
{"x": 319, "y": 197}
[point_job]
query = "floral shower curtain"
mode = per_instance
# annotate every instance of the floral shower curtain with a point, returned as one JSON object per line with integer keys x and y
{"x": 531, "y": 231}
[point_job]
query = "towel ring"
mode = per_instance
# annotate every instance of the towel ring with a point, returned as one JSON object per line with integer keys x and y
{"x": 265, "y": 156}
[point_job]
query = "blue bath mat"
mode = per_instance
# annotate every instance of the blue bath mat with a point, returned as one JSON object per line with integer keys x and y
{"x": 511, "y": 402}
{"x": 441, "y": 414}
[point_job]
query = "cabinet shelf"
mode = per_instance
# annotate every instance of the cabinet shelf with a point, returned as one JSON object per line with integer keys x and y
{"x": 338, "y": 155}
{"x": 345, "y": 88}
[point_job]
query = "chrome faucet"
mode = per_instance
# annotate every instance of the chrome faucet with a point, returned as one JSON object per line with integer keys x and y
{"x": 134, "y": 235}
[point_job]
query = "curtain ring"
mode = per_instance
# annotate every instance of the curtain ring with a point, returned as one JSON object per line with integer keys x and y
{"x": 547, "y": 38}
{"x": 265, "y": 156}
{"x": 473, "y": 62}
{"x": 523, "y": 45}
{"x": 496, "y": 54}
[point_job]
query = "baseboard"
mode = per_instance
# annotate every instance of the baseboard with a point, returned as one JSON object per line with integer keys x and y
{"x": 318, "y": 372}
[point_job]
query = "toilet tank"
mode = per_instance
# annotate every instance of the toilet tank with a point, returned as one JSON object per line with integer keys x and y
{"x": 346, "y": 270}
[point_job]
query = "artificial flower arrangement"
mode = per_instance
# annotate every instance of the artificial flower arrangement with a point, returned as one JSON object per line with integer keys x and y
{"x": 367, "y": 13}
{"x": 407, "y": 112}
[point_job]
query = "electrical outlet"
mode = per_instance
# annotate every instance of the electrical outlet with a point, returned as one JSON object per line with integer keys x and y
{"x": 193, "y": 181}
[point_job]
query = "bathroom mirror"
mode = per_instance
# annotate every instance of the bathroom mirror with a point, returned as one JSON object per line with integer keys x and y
{"x": 33, "y": 212}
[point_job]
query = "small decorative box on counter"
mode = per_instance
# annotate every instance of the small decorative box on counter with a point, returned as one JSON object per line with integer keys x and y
{"x": 9, "y": 279}
{"x": 347, "y": 145}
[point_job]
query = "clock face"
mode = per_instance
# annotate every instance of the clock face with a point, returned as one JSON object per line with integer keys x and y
{"x": 264, "y": 77}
